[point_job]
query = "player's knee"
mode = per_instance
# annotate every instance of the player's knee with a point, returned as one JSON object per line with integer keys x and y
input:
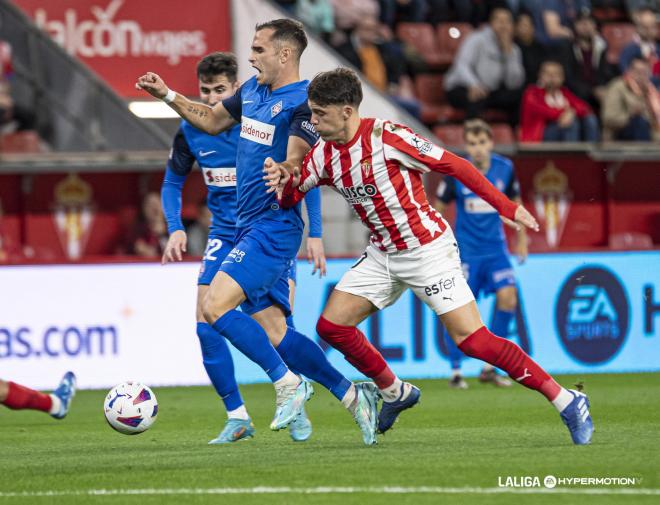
{"x": 213, "y": 308}
{"x": 329, "y": 331}
{"x": 507, "y": 299}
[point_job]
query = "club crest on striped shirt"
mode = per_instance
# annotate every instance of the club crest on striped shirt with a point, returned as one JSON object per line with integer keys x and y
{"x": 366, "y": 168}
{"x": 276, "y": 109}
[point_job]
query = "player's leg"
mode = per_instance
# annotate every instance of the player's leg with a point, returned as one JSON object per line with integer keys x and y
{"x": 57, "y": 403}
{"x": 363, "y": 290}
{"x": 219, "y": 366}
{"x": 438, "y": 280}
{"x": 501, "y": 281}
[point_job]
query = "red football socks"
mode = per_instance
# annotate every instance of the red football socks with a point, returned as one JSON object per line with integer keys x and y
{"x": 504, "y": 354}
{"x": 19, "y": 397}
{"x": 357, "y": 350}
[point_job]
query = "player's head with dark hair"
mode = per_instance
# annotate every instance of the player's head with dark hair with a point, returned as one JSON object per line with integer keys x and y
{"x": 334, "y": 98}
{"x": 478, "y": 138}
{"x": 217, "y": 76}
{"x": 276, "y": 49}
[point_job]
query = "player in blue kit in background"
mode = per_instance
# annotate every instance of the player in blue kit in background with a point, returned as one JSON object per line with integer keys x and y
{"x": 274, "y": 125}
{"x": 482, "y": 242}
{"x": 216, "y": 157}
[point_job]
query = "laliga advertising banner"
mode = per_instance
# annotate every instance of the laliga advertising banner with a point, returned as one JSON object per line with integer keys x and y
{"x": 579, "y": 313}
{"x": 121, "y": 39}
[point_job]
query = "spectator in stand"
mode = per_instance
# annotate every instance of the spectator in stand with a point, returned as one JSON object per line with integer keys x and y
{"x": 631, "y": 108}
{"x": 646, "y": 46}
{"x": 198, "y": 231}
{"x": 407, "y": 11}
{"x": 381, "y": 61}
{"x": 533, "y": 52}
{"x": 10, "y": 112}
{"x": 551, "y": 113}
{"x": 585, "y": 62}
{"x": 149, "y": 235}
{"x": 554, "y": 19}
{"x": 317, "y": 15}
{"x": 488, "y": 70}
{"x": 349, "y": 13}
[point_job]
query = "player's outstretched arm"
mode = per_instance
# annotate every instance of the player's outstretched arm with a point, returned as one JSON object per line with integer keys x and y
{"x": 211, "y": 120}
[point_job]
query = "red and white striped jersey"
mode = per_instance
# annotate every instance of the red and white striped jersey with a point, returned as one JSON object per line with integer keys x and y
{"x": 379, "y": 174}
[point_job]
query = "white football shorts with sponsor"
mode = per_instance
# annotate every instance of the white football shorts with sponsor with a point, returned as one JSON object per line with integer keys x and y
{"x": 433, "y": 271}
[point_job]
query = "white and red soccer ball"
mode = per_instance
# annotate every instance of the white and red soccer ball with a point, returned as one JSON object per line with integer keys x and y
{"x": 130, "y": 408}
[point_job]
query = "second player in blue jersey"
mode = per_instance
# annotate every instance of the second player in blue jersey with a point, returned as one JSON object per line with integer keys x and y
{"x": 482, "y": 242}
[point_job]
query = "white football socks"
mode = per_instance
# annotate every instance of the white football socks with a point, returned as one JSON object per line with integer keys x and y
{"x": 239, "y": 413}
{"x": 288, "y": 379}
{"x": 397, "y": 391}
{"x": 350, "y": 399}
{"x": 56, "y": 404}
{"x": 564, "y": 398}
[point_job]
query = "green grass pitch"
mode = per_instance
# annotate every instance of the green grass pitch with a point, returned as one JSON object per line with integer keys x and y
{"x": 457, "y": 443}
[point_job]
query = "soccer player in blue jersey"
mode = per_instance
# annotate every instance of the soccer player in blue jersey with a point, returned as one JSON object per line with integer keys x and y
{"x": 274, "y": 125}
{"x": 216, "y": 157}
{"x": 482, "y": 242}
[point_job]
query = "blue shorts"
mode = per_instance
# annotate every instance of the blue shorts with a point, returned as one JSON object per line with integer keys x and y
{"x": 293, "y": 270}
{"x": 216, "y": 251}
{"x": 488, "y": 274}
{"x": 260, "y": 263}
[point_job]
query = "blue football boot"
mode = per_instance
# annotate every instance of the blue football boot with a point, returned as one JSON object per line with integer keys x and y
{"x": 366, "y": 411}
{"x": 300, "y": 428}
{"x": 290, "y": 400}
{"x": 65, "y": 392}
{"x": 389, "y": 412}
{"x": 234, "y": 430}
{"x": 577, "y": 418}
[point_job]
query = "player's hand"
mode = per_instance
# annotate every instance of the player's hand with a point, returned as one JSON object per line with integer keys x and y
{"x": 524, "y": 218}
{"x": 152, "y": 84}
{"x": 316, "y": 254}
{"x": 176, "y": 246}
{"x": 276, "y": 176}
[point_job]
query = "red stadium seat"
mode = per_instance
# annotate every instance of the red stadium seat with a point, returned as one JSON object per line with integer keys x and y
{"x": 428, "y": 88}
{"x": 502, "y": 133}
{"x": 450, "y": 135}
{"x": 618, "y": 36}
{"x": 450, "y": 36}
{"x": 20, "y": 142}
{"x": 422, "y": 38}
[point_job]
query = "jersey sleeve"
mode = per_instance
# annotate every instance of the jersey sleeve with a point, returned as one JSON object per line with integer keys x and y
{"x": 301, "y": 124}
{"x": 234, "y": 105}
{"x": 181, "y": 158}
{"x": 446, "y": 191}
{"x": 311, "y": 175}
{"x": 313, "y": 204}
{"x": 513, "y": 188}
{"x": 414, "y": 152}
{"x": 179, "y": 165}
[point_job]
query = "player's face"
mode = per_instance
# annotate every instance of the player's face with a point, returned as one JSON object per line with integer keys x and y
{"x": 265, "y": 57}
{"x": 329, "y": 121}
{"x": 216, "y": 88}
{"x": 479, "y": 148}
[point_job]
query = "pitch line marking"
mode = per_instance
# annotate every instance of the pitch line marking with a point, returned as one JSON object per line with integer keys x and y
{"x": 330, "y": 490}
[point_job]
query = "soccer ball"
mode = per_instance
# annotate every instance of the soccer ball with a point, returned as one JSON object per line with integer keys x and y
{"x": 130, "y": 408}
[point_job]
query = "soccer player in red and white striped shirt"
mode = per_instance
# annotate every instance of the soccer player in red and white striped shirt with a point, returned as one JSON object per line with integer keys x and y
{"x": 377, "y": 166}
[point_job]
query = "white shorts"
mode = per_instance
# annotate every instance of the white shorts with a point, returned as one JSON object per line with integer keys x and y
{"x": 433, "y": 271}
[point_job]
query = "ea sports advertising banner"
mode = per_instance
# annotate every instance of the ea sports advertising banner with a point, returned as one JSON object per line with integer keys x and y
{"x": 121, "y": 39}
{"x": 579, "y": 313}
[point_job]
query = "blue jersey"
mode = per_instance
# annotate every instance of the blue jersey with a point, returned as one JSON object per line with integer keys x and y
{"x": 216, "y": 157}
{"x": 479, "y": 229}
{"x": 267, "y": 120}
